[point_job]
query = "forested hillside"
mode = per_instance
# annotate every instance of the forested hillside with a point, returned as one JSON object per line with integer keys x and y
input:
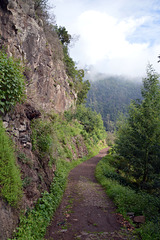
{"x": 131, "y": 175}
{"x": 110, "y": 96}
{"x": 46, "y": 130}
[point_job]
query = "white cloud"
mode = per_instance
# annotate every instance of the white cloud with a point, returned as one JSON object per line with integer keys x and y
{"x": 117, "y": 37}
{"x": 103, "y": 38}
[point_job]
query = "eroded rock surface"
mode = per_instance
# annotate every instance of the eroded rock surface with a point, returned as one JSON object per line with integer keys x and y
{"x": 25, "y": 36}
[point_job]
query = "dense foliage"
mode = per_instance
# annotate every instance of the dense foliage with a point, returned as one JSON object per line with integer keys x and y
{"x": 53, "y": 138}
{"x": 40, "y": 4}
{"x": 33, "y": 225}
{"x": 91, "y": 121}
{"x": 63, "y": 35}
{"x": 128, "y": 199}
{"x": 10, "y": 179}
{"x": 83, "y": 88}
{"x": 12, "y": 82}
{"x": 110, "y": 96}
{"x": 138, "y": 138}
{"x": 76, "y": 75}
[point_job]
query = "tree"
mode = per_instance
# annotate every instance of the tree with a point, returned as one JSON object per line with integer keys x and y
{"x": 77, "y": 75}
{"x": 82, "y": 94}
{"x": 42, "y": 4}
{"x": 91, "y": 122}
{"x": 63, "y": 35}
{"x": 111, "y": 96}
{"x": 138, "y": 139}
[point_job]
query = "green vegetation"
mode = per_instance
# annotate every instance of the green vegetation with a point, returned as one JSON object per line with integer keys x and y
{"x": 24, "y": 159}
{"x": 75, "y": 74}
{"x": 12, "y": 82}
{"x": 91, "y": 121}
{"x": 33, "y": 224}
{"x": 128, "y": 199}
{"x": 52, "y": 138}
{"x": 10, "y": 179}
{"x": 41, "y": 137}
{"x": 83, "y": 87}
{"x": 138, "y": 138}
{"x": 131, "y": 176}
{"x": 110, "y": 96}
{"x": 40, "y": 4}
{"x": 63, "y": 35}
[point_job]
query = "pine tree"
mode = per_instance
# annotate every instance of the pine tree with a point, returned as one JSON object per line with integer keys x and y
{"x": 138, "y": 140}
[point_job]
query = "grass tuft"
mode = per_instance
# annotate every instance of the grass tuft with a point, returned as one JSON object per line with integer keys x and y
{"x": 130, "y": 200}
{"x": 10, "y": 178}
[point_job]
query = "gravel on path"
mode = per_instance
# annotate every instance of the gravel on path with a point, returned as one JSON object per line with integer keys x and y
{"x": 86, "y": 213}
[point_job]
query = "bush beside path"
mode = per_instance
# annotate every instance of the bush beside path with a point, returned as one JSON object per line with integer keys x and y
{"x": 85, "y": 211}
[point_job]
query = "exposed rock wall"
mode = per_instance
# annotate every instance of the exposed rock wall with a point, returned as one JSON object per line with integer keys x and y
{"x": 22, "y": 33}
{"x": 36, "y": 174}
{"x": 17, "y": 124}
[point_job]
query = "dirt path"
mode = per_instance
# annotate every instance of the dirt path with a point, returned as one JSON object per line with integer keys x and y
{"x": 86, "y": 212}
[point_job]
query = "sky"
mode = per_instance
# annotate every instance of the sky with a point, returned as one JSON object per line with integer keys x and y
{"x": 116, "y": 37}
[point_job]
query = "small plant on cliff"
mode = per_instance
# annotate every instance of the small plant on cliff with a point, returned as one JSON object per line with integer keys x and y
{"x": 63, "y": 35}
{"x": 40, "y": 4}
{"x": 12, "y": 84}
{"x": 77, "y": 75}
{"x": 10, "y": 179}
{"x": 42, "y": 138}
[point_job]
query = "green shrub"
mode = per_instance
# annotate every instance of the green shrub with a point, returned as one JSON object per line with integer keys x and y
{"x": 40, "y": 4}
{"x": 76, "y": 75}
{"x": 61, "y": 132}
{"x": 10, "y": 179}
{"x": 129, "y": 200}
{"x": 33, "y": 225}
{"x": 150, "y": 230}
{"x": 42, "y": 137}
{"x": 63, "y": 35}
{"x": 69, "y": 63}
{"x": 91, "y": 123}
{"x": 12, "y": 84}
{"x": 24, "y": 159}
{"x": 53, "y": 138}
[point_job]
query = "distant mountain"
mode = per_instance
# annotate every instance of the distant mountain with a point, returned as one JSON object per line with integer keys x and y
{"x": 110, "y": 96}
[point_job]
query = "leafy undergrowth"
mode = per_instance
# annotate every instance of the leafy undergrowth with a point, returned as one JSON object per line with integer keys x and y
{"x": 10, "y": 178}
{"x": 12, "y": 82}
{"x": 33, "y": 225}
{"x": 52, "y": 137}
{"x": 129, "y": 199}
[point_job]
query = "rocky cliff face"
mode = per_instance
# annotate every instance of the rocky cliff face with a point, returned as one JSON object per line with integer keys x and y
{"x": 24, "y": 36}
{"x": 22, "y": 33}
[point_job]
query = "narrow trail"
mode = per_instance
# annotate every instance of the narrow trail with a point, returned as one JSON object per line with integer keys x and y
{"x": 86, "y": 213}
